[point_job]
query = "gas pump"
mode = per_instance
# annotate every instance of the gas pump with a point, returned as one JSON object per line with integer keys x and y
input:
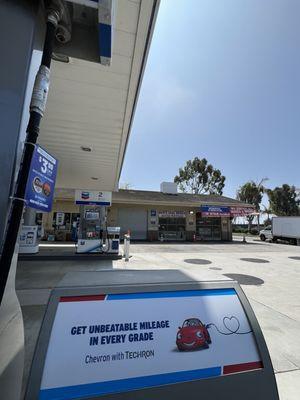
{"x": 90, "y": 229}
{"x": 93, "y": 234}
{"x": 113, "y": 237}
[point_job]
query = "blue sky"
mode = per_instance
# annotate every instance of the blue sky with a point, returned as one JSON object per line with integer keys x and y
{"x": 222, "y": 82}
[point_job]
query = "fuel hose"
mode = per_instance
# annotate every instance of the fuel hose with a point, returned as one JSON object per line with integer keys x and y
{"x": 37, "y": 108}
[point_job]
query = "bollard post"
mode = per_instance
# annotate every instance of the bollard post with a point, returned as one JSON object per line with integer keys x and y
{"x": 126, "y": 246}
{"x": 244, "y": 238}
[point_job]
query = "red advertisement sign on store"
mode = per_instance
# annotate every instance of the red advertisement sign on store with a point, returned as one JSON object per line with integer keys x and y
{"x": 241, "y": 211}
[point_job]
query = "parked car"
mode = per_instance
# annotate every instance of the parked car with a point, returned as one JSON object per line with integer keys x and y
{"x": 192, "y": 335}
{"x": 266, "y": 233}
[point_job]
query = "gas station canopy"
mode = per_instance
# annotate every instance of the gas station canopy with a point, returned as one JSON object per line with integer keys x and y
{"x": 90, "y": 107}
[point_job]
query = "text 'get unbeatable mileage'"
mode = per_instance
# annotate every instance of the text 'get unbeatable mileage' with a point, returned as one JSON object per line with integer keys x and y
{"x": 120, "y": 332}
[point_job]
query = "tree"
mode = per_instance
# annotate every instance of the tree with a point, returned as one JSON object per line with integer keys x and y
{"x": 125, "y": 186}
{"x": 267, "y": 211}
{"x": 199, "y": 177}
{"x": 251, "y": 193}
{"x": 283, "y": 200}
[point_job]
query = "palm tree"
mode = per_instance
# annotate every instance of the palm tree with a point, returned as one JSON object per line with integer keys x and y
{"x": 262, "y": 190}
{"x": 268, "y": 212}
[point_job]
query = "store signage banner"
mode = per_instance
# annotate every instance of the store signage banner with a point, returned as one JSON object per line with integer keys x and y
{"x": 241, "y": 211}
{"x": 93, "y": 197}
{"x": 215, "y": 211}
{"x": 171, "y": 214}
{"x": 41, "y": 180}
{"x": 102, "y": 344}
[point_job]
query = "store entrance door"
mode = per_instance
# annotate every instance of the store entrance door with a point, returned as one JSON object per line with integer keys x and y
{"x": 208, "y": 228}
{"x": 172, "y": 225}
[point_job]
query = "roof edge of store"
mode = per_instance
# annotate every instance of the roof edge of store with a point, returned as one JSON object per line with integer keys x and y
{"x": 174, "y": 200}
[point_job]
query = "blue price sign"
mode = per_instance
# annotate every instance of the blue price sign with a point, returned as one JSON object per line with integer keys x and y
{"x": 41, "y": 180}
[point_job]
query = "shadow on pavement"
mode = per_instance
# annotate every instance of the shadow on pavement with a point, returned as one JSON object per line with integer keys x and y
{"x": 245, "y": 279}
{"x": 255, "y": 260}
{"x": 198, "y": 261}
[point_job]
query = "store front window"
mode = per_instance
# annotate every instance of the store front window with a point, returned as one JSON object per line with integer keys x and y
{"x": 208, "y": 228}
{"x": 74, "y": 218}
{"x": 39, "y": 218}
{"x": 64, "y": 221}
{"x": 172, "y": 225}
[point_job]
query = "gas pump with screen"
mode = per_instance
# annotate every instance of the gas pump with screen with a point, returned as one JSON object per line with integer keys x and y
{"x": 113, "y": 237}
{"x": 151, "y": 341}
{"x": 94, "y": 236}
{"x": 91, "y": 226}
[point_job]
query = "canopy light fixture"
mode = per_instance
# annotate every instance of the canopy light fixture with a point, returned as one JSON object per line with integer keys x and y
{"x": 86, "y": 148}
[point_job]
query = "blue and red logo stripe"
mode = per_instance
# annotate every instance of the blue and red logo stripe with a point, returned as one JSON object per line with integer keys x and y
{"x": 151, "y": 295}
{"x": 235, "y": 368}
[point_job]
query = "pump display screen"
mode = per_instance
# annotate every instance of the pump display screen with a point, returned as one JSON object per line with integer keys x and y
{"x": 92, "y": 215}
{"x": 102, "y": 344}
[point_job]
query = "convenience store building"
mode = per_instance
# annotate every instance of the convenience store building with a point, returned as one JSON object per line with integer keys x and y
{"x": 152, "y": 215}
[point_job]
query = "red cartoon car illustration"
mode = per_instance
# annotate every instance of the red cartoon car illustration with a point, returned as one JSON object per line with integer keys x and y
{"x": 192, "y": 335}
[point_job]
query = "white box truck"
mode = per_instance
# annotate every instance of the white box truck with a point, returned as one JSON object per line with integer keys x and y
{"x": 286, "y": 228}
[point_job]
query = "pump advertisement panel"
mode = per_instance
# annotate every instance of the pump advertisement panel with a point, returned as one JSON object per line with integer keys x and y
{"x": 41, "y": 180}
{"x": 103, "y": 344}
